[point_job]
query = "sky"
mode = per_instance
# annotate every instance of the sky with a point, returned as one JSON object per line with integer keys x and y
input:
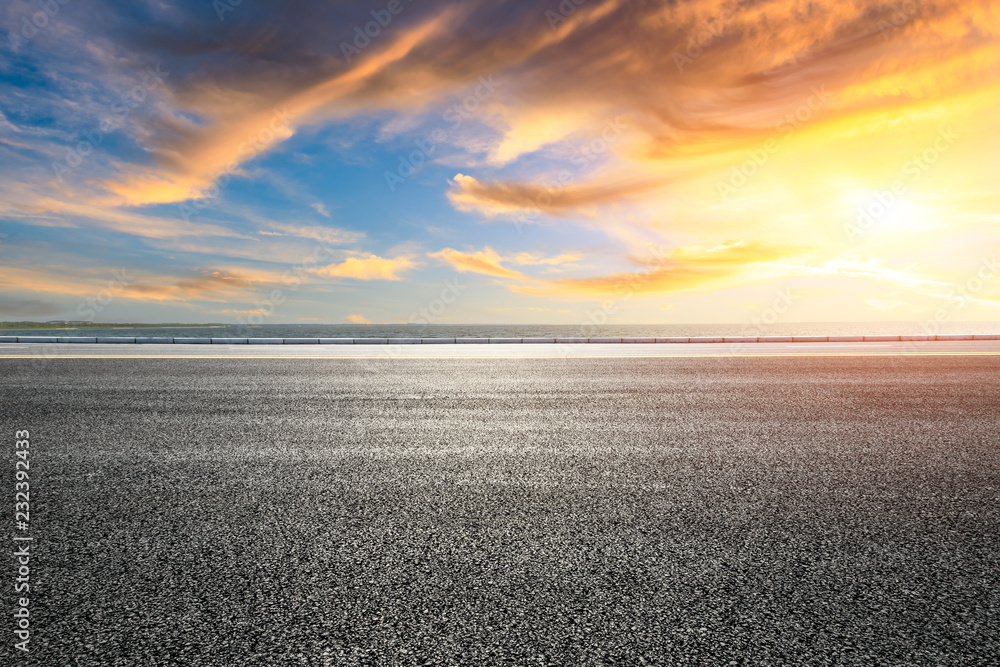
{"x": 566, "y": 162}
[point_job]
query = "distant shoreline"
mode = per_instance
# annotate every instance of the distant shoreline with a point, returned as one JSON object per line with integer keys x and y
{"x": 104, "y": 326}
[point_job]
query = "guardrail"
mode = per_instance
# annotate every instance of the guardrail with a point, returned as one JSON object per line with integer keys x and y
{"x": 141, "y": 340}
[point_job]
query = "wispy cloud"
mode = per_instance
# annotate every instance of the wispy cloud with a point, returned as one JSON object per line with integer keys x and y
{"x": 330, "y": 235}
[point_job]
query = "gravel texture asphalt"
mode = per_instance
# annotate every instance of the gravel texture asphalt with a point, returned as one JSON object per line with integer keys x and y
{"x": 682, "y": 511}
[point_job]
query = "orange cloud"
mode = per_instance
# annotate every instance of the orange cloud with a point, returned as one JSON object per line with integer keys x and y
{"x": 469, "y": 194}
{"x": 222, "y": 285}
{"x": 244, "y": 126}
{"x": 485, "y": 261}
{"x": 118, "y": 220}
{"x": 371, "y": 267}
{"x": 803, "y": 110}
{"x": 679, "y": 270}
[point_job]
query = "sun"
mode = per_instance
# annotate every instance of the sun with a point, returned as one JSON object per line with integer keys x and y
{"x": 879, "y": 213}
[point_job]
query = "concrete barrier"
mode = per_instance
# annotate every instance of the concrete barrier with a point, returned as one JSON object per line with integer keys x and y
{"x": 436, "y": 341}
{"x": 371, "y": 341}
{"x": 37, "y": 339}
{"x": 739, "y": 339}
{"x": 917, "y": 337}
{"x": 810, "y": 339}
{"x": 473, "y": 341}
{"x": 605, "y": 340}
{"x": 572, "y": 341}
{"x": 8, "y": 339}
{"x": 116, "y": 340}
{"x": 639, "y": 340}
{"x": 154, "y": 340}
{"x": 229, "y": 341}
{"x": 336, "y": 341}
{"x": 204, "y": 341}
{"x": 954, "y": 337}
{"x": 880, "y": 339}
{"x": 265, "y": 341}
{"x": 673, "y": 339}
{"x": 847, "y": 339}
{"x": 538, "y": 340}
{"x": 399, "y": 341}
{"x": 301, "y": 341}
{"x": 986, "y": 337}
{"x": 706, "y": 339}
{"x": 77, "y": 339}
{"x": 504, "y": 341}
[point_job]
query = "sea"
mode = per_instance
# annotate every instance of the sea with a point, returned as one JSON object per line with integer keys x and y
{"x": 514, "y": 330}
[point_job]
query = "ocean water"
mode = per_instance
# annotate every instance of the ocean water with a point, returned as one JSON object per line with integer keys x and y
{"x": 519, "y": 330}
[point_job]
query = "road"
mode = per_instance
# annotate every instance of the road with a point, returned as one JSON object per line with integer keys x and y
{"x": 807, "y": 509}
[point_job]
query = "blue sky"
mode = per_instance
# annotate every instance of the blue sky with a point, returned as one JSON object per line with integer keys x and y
{"x": 646, "y": 161}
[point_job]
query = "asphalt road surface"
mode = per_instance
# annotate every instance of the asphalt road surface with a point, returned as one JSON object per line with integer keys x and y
{"x": 757, "y": 510}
